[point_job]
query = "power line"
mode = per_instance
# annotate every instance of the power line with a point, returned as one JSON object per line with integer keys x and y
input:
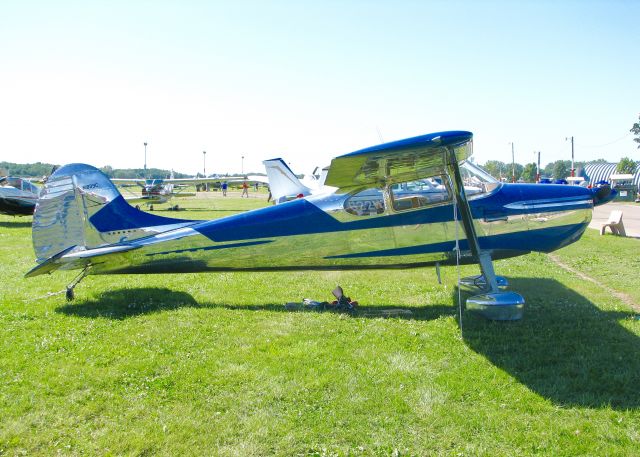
{"x": 606, "y": 144}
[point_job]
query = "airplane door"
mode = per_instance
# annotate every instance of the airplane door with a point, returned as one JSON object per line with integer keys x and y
{"x": 426, "y": 207}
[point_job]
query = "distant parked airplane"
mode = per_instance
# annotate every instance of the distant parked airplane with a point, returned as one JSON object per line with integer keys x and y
{"x": 285, "y": 185}
{"x": 157, "y": 191}
{"x": 18, "y": 196}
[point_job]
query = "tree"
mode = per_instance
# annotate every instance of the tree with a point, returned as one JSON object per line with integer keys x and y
{"x": 497, "y": 169}
{"x": 626, "y": 166}
{"x": 561, "y": 169}
{"x": 107, "y": 170}
{"x": 529, "y": 173}
{"x": 519, "y": 169}
{"x": 636, "y": 131}
{"x": 37, "y": 169}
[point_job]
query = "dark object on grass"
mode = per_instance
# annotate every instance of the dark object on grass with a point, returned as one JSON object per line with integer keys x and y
{"x": 343, "y": 303}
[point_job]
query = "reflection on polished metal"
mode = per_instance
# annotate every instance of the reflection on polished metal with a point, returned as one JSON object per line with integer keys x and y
{"x": 393, "y": 209}
{"x": 17, "y": 196}
{"x": 479, "y": 282}
{"x": 499, "y": 306}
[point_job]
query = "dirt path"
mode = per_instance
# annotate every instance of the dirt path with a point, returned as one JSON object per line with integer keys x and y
{"x": 620, "y": 295}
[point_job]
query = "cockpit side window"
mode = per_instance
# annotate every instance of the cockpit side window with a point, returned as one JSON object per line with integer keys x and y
{"x": 421, "y": 193}
{"x": 368, "y": 202}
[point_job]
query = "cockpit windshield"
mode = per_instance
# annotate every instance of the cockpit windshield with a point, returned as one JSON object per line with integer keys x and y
{"x": 477, "y": 181}
{"x": 20, "y": 184}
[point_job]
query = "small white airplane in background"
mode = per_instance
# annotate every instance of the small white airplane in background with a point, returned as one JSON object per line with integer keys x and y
{"x": 285, "y": 185}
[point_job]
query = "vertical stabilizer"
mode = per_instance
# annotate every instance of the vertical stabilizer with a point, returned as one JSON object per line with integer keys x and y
{"x": 283, "y": 183}
{"x": 79, "y": 208}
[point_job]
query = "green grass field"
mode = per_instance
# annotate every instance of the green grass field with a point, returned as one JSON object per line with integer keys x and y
{"x": 213, "y": 364}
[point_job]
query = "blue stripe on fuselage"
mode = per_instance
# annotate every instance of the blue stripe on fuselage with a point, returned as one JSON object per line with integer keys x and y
{"x": 300, "y": 217}
{"x": 210, "y": 248}
{"x": 119, "y": 215}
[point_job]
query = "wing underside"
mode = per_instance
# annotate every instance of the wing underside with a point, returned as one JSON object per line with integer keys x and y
{"x": 405, "y": 160}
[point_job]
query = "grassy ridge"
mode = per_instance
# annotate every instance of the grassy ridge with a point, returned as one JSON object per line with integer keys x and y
{"x": 213, "y": 363}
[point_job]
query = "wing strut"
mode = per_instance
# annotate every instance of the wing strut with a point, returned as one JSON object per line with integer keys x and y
{"x": 492, "y": 303}
{"x": 483, "y": 258}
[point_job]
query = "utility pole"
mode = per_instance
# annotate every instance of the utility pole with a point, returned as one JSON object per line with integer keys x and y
{"x": 204, "y": 169}
{"x": 145, "y": 159}
{"x": 513, "y": 164}
{"x": 573, "y": 170}
{"x": 242, "y": 166}
{"x": 204, "y": 163}
{"x": 538, "y": 168}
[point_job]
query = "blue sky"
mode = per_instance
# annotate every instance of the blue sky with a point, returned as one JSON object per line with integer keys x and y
{"x": 92, "y": 81}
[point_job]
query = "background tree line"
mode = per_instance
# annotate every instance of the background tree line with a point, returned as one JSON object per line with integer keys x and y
{"x": 559, "y": 169}
{"x": 39, "y": 169}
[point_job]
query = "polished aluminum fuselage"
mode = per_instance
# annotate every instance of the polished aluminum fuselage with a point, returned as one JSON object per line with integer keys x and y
{"x": 317, "y": 233}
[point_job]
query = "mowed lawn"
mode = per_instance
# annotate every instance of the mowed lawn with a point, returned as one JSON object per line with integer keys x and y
{"x": 213, "y": 364}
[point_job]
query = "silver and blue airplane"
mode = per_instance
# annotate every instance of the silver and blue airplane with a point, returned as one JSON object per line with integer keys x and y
{"x": 403, "y": 204}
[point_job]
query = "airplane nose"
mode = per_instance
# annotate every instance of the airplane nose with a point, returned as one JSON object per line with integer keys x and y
{"x": 602, "y": 195}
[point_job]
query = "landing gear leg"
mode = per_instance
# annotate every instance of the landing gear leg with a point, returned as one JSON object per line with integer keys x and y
{"x": 70, "y": 295}
{"x": 492, "y": 303}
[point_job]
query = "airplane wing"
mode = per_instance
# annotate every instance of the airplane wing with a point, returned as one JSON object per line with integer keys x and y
{"x": 200, "y": 180}
{"x": 128, "y": 181}
{"x": 410, "y": 160}
{"x": 186, "y": 181}
{"x": 404, "y": 160}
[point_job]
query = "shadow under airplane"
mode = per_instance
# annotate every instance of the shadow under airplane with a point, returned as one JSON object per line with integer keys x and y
{"x": 565, "y": 349}
{"x": 15, "y": 224}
